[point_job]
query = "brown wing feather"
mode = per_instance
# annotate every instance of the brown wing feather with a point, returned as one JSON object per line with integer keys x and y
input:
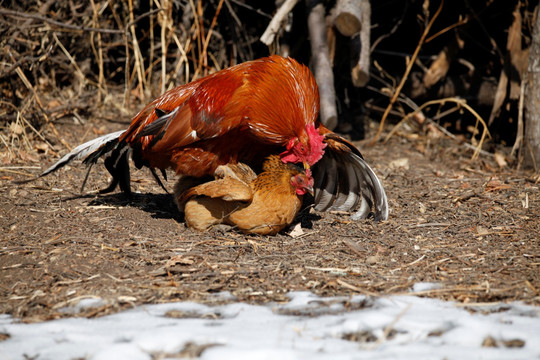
{"x": 193, "y": 113}
{"x": 228, "y": 189}
{"x": 242, "y": 113}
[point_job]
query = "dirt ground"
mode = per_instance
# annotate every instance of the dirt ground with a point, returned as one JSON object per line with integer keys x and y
{"x": 471, "y": 228}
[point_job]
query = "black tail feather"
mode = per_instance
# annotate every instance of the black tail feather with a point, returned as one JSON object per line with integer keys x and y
{"x": 344, "y": 181}
{"x": 158, "y": 180}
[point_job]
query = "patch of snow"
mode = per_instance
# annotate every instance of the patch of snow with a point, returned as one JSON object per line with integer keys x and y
{"x": 423, "y": 286}
{"x": 308, "y": 327}
{"x": 84, "y": 303}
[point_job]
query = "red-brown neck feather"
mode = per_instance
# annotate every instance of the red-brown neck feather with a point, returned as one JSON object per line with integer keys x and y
{"x": 283, "y": 99}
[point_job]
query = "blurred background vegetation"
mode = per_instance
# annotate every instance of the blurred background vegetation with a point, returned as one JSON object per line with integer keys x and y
{"x": 460, "y": 63}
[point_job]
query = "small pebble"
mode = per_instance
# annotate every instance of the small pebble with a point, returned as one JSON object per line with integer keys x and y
{"x": 371, "y": 260}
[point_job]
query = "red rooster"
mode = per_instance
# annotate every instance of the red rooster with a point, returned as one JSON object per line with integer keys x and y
{"x": 241, "y": 114}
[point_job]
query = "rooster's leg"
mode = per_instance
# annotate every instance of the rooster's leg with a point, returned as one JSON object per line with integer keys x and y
{"x": 118, "y": 167}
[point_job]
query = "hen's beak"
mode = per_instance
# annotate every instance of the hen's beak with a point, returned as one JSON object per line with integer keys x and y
{"x": 309, "y": 189}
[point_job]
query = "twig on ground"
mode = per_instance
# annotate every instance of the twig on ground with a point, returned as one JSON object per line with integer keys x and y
{"x": 390, "y": 326}
{"x": 356, "y": 288}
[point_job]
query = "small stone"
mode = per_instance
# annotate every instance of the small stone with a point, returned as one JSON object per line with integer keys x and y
{"x": 371, "y": 260}
{"x": 489, "y": 341}
{"x": 514, "y": 343}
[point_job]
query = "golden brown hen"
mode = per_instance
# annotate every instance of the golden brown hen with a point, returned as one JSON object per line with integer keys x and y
{"x": 263, "y": 204}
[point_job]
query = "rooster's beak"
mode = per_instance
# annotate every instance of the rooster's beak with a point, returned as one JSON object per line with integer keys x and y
{"x": 306, "y": 165}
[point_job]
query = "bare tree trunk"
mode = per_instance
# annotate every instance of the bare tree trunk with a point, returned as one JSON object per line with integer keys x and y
{"x": 531, "y": 148}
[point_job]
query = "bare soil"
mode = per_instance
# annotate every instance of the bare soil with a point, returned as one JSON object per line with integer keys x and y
{"x": 472, "y": 228}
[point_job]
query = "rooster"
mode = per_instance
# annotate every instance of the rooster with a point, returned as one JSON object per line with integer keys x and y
{"x": 263, "y": 204}
{"x": 241, "y": 114}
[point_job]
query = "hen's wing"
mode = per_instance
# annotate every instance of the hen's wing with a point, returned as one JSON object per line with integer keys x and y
{"x": 212, "y": 202}
{"x": 239, "y": 171}
{"x": 228, "y": 189}
{"x": 343, "y": 180}
{"x": 231, "y": 184}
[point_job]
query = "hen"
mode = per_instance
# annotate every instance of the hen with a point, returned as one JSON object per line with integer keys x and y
{"x": 263, "y": 204}
{"x": 241, "y": 114}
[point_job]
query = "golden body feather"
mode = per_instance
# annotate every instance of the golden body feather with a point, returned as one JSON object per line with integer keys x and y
{"x": 263, "y": 204}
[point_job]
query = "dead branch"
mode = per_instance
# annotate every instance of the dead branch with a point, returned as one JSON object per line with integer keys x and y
{"x": 30, "y": 87}
{"x": 515, "y": 65}
{"x": 244, "y": 5}
{"x": 396, "y": 26}
{"x": 24, "y": 60}
{"x": 204, "y": 57}
{"x": 531, "y": 142}
{"x": 519, "y": 134}
{"x": 360, "y": 72}
{"x": 140, "y": 17}
{"x": 485, "y": 133}
{"x": 268, "y": 36}
{"x": 321, "y": 59}
{"x": 439, "y": 68}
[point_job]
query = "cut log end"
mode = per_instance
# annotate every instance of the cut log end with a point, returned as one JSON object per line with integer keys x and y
{"x": 347, "y": 24}
{"x": 359, "y": 76}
